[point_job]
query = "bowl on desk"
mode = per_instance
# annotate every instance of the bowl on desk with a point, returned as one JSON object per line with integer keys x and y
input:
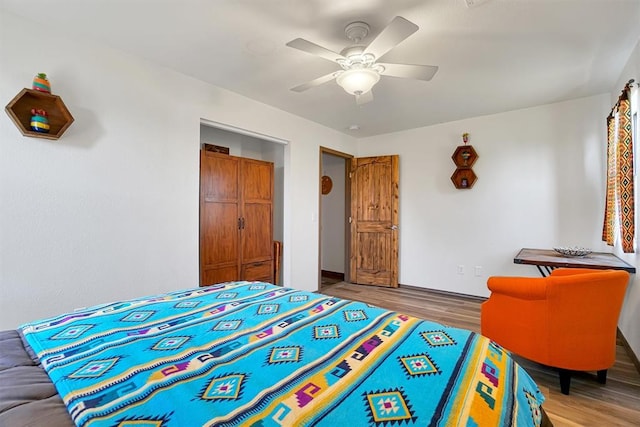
{"x": 573, "y": 251}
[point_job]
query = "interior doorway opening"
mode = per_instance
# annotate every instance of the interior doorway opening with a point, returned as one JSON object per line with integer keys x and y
{"x": 245, "y": 144}
{"x": 335, "y": 196}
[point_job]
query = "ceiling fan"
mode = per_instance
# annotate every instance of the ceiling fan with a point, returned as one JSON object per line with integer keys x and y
{"x": 360, "y": 69}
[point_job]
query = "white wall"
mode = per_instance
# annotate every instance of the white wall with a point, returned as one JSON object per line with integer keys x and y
{"x": 110, "y": 210}
{"x": 630, "y": 316}
{"x": 239, "y": 145}
{"x": 333, "y": 216}
{"x": 540, "y": 184}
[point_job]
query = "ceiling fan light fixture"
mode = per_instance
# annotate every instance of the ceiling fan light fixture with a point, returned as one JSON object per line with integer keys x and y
{"x": 358, "y": 81}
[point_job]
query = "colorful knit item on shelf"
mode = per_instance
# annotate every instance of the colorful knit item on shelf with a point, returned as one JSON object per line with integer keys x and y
{"x": 41, "y": 83}
{"x": 39, "y": 121}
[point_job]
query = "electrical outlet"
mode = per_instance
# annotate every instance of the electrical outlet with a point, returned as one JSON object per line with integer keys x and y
{"x": 461, "y": 269}
{"x": 478, "y": 270}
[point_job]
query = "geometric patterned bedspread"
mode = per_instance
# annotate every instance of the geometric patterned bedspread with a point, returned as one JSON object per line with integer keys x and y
{"x": 254, "y": 354}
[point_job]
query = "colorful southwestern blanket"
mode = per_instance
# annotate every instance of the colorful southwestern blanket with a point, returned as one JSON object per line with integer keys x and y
{"x": 254, "y": 354}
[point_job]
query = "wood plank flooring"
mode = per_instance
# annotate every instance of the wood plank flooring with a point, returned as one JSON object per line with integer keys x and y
{"x": 590, "y": 403}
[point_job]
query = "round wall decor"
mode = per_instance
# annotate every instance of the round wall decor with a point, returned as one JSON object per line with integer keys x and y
{"x": 327, "y": 184}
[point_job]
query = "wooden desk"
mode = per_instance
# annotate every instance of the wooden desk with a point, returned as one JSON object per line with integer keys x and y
{"x": 548, "y": 259}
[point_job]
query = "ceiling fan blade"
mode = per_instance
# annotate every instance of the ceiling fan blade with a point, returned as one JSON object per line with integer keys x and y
{"x": 394, "y": 33}
{"x": 364, "y": 98}
{"x": 314, "y": 83}
{"x": 314, "y": 49}
{"x": 408, "y": 71}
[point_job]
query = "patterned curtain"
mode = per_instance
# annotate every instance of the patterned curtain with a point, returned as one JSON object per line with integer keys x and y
{"x": 626, "y": 202}
{"x": 609, "y": 211}
{"x": 620, "y": 191}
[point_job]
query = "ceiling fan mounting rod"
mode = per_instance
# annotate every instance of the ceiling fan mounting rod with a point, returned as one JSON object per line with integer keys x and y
{"x": 356, "y": 31}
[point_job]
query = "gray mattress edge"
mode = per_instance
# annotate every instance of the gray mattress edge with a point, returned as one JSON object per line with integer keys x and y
{"x": 28, "y": 398}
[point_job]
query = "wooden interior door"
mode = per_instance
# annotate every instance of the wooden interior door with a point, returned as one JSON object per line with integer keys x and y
{"x": 374, "y": 221}
{"x": 219, "y": 218}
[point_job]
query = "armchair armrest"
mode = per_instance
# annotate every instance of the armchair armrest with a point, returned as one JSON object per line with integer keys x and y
{"x": 529, "y": 288}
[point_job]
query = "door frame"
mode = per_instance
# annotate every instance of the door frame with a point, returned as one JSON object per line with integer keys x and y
{"x": 347, "y": 211}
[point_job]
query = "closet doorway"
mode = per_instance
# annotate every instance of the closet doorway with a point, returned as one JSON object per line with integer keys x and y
{"x": 242, "y": 143}
{"x": 335, "y": 197}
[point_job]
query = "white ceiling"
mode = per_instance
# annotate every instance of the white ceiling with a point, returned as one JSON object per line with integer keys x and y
{"x": 498, "y": 55}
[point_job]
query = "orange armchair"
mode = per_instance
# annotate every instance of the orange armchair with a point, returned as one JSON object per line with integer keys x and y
{"x": 567, "y": 320}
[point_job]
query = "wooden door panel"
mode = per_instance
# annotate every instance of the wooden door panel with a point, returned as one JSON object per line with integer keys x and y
{"x": 374, "y": 215}
{"x": 374, "y": 227}
{"x": 219, "y": 233}
{"x": 257, "y": 181}
{"x": 219, "y": 214}
{"x": 257, "y": 241}
{"x": 377, "y": 247}
{"x": 211, "y": 276}
{"x": 219, "y": 177}
{"x": 374, "y": 192}
{"x": 376, "y": 278}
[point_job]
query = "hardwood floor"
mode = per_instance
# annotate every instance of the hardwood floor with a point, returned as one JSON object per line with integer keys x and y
{"x": 590, "y": 404}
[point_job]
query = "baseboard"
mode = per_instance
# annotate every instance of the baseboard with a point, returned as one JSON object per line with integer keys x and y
{"x": 629, "y": 350}
{"x": 441, "y": 292}
{"x": 333, "y": 275}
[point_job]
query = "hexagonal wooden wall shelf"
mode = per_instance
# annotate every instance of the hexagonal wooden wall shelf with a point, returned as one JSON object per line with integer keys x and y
{"x": 464, "y": 178}
{"x": 464, "y": 156}
{"x": 19, "y": 110}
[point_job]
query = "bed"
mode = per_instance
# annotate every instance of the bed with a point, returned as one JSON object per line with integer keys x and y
{"x": 255, "y": 354}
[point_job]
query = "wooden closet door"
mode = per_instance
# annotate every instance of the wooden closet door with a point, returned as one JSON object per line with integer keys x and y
{"x": 256, "y": 180}
{"x": 219, "y": 218}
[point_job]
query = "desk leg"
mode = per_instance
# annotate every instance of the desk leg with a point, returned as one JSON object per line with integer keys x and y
{"x": 544, "y": 270}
